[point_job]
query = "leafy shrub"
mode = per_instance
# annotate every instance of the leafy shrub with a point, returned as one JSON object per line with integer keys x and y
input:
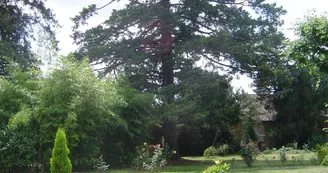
{"x": 283, "y": 155}
{"x": 249, "y": 152}
{"x": 218, "y": 168}
{"x": 305, "y": 147}
{"x": 100, "y": 164}
{"x": 17, "y": 151}
{"x": 316, "y": 139}
{"x": 137, "y": 163}
{"x": 325, "y": 161}
{"x": 322, "y": 152}
{"x": 223, "y": 149}
{"x": 152, "y": 158}
{"x": 60, "y": 163}
{"x": 157, "y": 160}
{"x": 210, "y": 151}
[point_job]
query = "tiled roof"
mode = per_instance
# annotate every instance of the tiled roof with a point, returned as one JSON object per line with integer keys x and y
{"x": 265, "y": 115}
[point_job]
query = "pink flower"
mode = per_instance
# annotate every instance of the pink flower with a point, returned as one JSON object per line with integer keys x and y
{"x": 151, "y": 147}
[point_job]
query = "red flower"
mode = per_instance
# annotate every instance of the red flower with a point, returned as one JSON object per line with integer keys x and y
{"x": 151, "y": 147}
{"x": 245, "y": 146}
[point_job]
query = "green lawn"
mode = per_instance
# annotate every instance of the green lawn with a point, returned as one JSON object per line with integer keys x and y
{"x": 200, "y": 168}
{"x": 268, "y": 163}
{"x": 308, "y": 169}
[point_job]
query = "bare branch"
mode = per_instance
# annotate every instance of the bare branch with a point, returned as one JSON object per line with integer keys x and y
{"x": 224, "y": 65}
{"x": 106, "y": 5}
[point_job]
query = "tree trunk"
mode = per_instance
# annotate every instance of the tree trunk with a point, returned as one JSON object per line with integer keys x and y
{"x": 169, "y": 125}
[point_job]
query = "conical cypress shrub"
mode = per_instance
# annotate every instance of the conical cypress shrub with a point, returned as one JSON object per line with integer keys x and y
{"x": 60, "y": 162}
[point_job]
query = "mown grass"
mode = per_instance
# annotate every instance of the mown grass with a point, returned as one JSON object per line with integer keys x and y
{"x": 201, "y": 168}
{"x": 289, "y": 169}
{"x": 265, "y": 163}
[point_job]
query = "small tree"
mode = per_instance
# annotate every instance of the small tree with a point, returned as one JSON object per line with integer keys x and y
{"x": 60, "y": 163}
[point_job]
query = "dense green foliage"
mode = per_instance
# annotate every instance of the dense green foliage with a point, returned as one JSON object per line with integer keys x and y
{"x": 207, "y": 110}
{"x": 74, "y": 98}
{"x": 299, "y": 102}
{"x": 60, "y": 162}
{"x": 137, "y": 117}
{"x": 97, "y": 114}
{"x": 309, "y": 49}
{"x": 322, "y": 152}
{"x": 295, "y": 86}
{"x": 17, "y": 148}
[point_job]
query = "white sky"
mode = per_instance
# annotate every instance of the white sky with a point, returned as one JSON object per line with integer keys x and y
{"x": 65, "y": 9}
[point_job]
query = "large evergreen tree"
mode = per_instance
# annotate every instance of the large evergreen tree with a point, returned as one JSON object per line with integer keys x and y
{"x": 154, "y": 41}
{"x": 18, "y": 27}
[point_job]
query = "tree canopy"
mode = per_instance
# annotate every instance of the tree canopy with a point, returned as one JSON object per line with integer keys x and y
{"x": 20, "y": 20}
{"x": 153, "y": 41}
{"x": 294, "y": 85}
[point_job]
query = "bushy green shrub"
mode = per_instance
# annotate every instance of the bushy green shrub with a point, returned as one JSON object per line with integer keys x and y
{"x": 316, "y": 139}
{"x": 283, "y": 155}
{"x": 305, "y": 147}
{"x": 249, "y": 152}
{"x": 157, "y": 161}
{"x": 322, "y": 152}
{"x": 325, "y": 161}
{"x": 151, "y": 158}
{"x": 223, "y": 149}
{"x": 17, "y": 151}
{"x": 218, "y": 168}
{"x": 210, "y": 151}
{"x": 60, "y": 163}
{"x": 99, "y": 164}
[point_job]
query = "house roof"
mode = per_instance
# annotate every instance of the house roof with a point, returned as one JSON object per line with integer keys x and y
{"x": 264, "y": 114}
